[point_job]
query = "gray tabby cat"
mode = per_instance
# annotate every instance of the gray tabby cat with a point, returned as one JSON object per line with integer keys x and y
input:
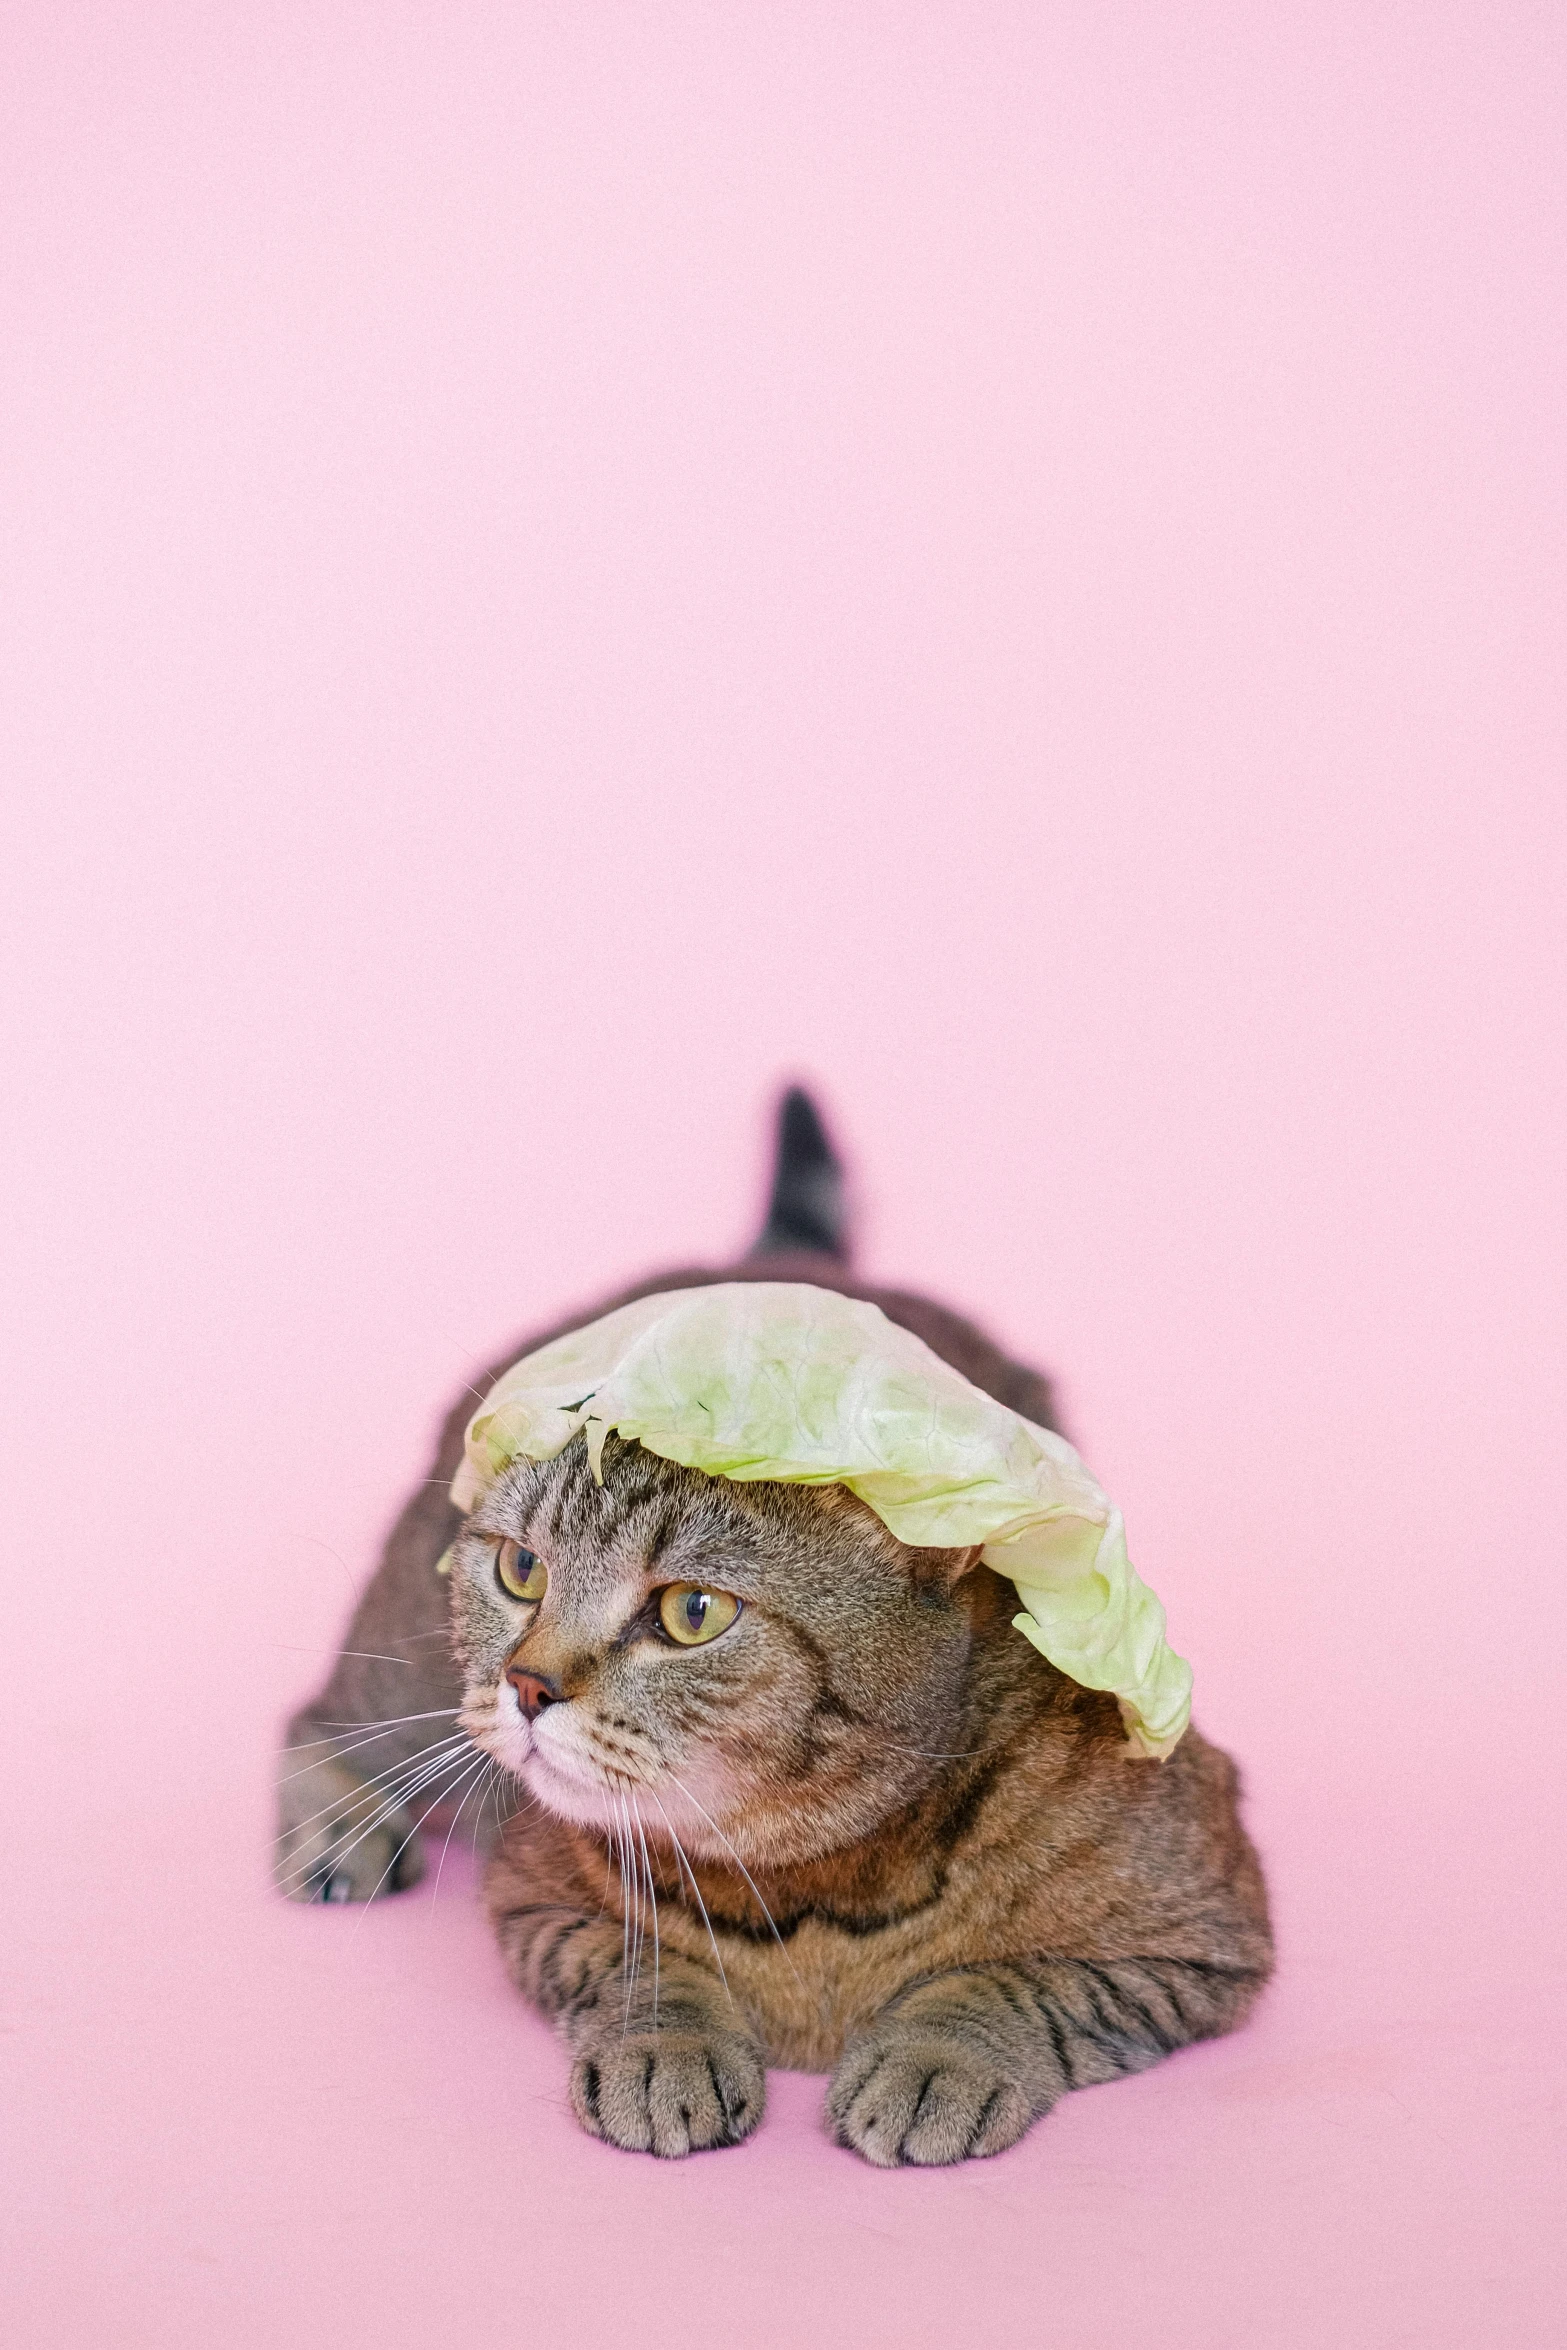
{"x": 774, "y": 1788}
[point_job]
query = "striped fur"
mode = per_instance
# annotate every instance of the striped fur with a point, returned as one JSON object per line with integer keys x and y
{"x": 868, "y": 1831}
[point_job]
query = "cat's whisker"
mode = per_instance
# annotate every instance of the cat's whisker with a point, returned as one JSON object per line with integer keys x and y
{"x": 339, "y": 1747}
{"x": 497, "y": 1793}
{"x": 740, "y": 1865}
{"x": 608, "y": 1856}
{"x": 491, "y": 1795}
{"x": 348, "y": 1811}
{"x": 680, "y": 1855}
{"x": 425, "y": 1774}
{"x": 436, "y": 1775}
{"x": 376, "y": 1655}
{"x": 400, "y": 1848}
{"x": 327, "y": 1863}
{"x": 317, "y": 1543}
{"x": 614, "y": 1847}
{"x": 639, "y": 1945}
{"x": 625, "y": 1925}
{"x": 480, "y": 1395}
{"x": 394, "y": 1721}
{"x": 335, "y": 1731}
{"x": 652, "y": 1894}
{"x": 373, "y": 1656}
{"x": 392, "y": 1863}
{"x": 639, "y": 1928}
{"x": 380, "y": 1785}
{"x": 485, "y": 1769}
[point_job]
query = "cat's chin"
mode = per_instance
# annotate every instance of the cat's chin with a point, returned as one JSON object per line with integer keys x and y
{"x": 571, "y": 1794}
{"x": 579, "y": 1795}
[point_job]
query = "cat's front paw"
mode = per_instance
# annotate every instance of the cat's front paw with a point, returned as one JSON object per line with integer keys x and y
{"x": 339, "y": 1839}
{"x": 670, "y": 2092}
{"x": 923, "y": 2096}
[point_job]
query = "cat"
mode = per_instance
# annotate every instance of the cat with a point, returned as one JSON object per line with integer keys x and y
{"x": 877, "y": 1836}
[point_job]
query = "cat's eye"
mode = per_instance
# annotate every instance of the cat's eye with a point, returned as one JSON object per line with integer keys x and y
{"x": 520, "y": 1574}
{"x": 692, "y": 1615}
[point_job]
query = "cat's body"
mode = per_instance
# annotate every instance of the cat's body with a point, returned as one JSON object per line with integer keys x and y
{"x": 868, "y": 1830}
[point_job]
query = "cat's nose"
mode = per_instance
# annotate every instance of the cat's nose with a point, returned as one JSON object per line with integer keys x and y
{"x": 534, "y": 1691}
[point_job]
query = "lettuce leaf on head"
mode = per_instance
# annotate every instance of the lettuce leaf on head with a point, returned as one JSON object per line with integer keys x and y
{"x": 782, "y": 1381}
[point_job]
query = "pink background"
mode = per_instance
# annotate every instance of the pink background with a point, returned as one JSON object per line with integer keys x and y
{"x": 563, "y": 563}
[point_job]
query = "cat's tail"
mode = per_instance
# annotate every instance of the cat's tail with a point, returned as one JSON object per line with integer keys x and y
{"x": 805, "y": 1212}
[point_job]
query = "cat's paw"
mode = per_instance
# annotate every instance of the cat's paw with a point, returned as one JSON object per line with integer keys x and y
{"x": 339, "y": 1841}
{"x": 671, "y": 2092}
{"x": 923, "y": 2096}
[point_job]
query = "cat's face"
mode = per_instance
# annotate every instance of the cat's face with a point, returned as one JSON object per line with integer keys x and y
{"x": 761, "y": 1668}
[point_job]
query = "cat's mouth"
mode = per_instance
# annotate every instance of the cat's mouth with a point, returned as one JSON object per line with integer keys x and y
{"x": 585, "y": 1763}
{"x": 565, "y": 1771}
{"x": 559, "y": 1761}
{"x": 585, "y": 1772}
{"x": 582, "y": 1786}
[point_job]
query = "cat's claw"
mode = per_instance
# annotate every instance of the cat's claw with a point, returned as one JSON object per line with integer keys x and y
{"x": 928, "y": 2098}
{"x": 670, "y": 2093}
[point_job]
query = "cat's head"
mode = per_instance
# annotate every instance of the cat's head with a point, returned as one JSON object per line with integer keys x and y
{"x": 764, "y": 1668}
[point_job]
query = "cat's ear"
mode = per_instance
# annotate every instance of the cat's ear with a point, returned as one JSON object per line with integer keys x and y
{"x": 944, "y": 1569}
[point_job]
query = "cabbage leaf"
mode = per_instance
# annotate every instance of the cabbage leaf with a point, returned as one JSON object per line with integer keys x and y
{"x": 784, "y": 1382}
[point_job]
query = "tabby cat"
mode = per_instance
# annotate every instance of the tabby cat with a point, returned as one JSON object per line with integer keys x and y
{"x": 774, "y": 1788}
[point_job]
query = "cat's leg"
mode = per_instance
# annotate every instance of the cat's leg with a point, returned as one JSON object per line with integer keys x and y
{"x": 960, "y": 2064}
{"x": 344, "y": 1833}
{"x": 667, "y": 2072}
{"x": 380, "y": 1742}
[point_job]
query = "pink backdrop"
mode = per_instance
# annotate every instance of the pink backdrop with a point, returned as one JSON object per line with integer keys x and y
{"x": 563, "y": 563}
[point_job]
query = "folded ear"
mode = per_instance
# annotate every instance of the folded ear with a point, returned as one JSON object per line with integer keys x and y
{"x": 943, "y": 1569}
{"x": 933, "y": 1569}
